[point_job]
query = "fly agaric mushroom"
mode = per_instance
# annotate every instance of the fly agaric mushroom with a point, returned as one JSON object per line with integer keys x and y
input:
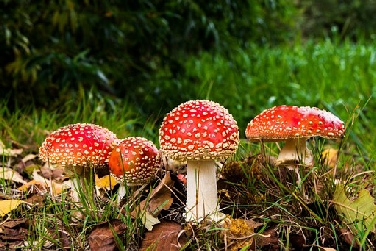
{"x": 134, "y": 160}
{"x": 199, "y": 132}
{"x": 294, "y": 125}
{"x": 79, "y": 148}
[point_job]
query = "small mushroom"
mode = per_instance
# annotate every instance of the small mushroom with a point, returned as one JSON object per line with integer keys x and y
{"x": 294, "y": 125}
{"x": 134, "y": 160}
{"x": 199, "y": 132}
{"x": 79, "y": 148}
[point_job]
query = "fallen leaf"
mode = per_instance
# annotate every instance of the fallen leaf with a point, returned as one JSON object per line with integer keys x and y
{"x": 349, "y": 238}
{"x": 163, "y": 237}
{"x": 14, "y": 234}
{"x": 330, "y": 156}
{"x": 106, "y": 181}
{"x": 28, "y": 157}
{"x": 149, "y": 220}
{"x": 13, "y": 223}
{"x": 25, "y": 187}
{"x": 6, "y": 206}
{"x": 359, "y": 211}
{"x": 36, "y": 199}
{"x": 9, "y": 152}
{"x": 7, "y": 173}
{"x": 239, "y": 233}
{"x": 54, "y": 187}
{"x": 269, "y": 238}
{"x": 160, "y": 197}
{"x": 102, "y": 238}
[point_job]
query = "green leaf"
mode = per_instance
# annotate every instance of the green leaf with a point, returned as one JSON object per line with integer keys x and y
{"x": 361, "y": 210}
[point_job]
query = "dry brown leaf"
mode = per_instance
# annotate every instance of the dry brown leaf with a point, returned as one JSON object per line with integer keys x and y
{"x": 54, "y": 187}
{"x": 349, "y": 237}
{"x": 270, "y": 238}
{"x": 25, "y": 187}
{"x": 14, "y": 231}
{"x": 163, "y": 237}
{"x": 330, "y": 155}
{"x": 8, "y": 151}
{"x": 102, "y": 237}
{"x": 9, "y": 174}
{"x": 159, "y": 199}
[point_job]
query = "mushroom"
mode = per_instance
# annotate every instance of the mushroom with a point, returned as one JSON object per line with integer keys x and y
{"x": 134, "y": 160}
{"x": 294, "y": 125}
{"x": 199, "y": 132}
{"x": 79, "y": 148}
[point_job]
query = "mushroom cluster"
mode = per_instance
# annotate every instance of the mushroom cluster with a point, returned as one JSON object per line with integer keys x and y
{"x": 198, "y": 132}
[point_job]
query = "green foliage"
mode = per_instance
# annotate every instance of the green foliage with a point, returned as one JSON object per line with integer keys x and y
{"x": 51, "y": 48}
{"x": 339, "y": 18}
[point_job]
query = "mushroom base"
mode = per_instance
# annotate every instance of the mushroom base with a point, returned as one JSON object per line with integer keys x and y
{"x": 202, "y": 197}
{"x": 83, "y": 180}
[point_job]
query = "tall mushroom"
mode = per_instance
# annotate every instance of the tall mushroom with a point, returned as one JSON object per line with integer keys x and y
{"x": 79, "y": 148}
{"x": 134, "y": 160}
{"x": 199, "y": 132}
{"x": 294, "y": 125}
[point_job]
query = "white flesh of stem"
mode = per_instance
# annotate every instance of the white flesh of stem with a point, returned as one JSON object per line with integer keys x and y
{"x": 201, "y": 191}
{"x": 296, "y": 149}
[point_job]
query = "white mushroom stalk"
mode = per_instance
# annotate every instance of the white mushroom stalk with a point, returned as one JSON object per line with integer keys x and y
{"x": 200, "y": 132}
{"x": 295, "y": 150}
{"x": 202, "y": 197}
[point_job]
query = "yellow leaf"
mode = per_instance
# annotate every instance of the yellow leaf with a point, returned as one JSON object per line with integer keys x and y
{"x": 106, "y": 181}
{"x": 8, "y": 205}
{"x": 359, "y": 213}
{"x": 25, "y": 187}
{"x": 330, "y": 157}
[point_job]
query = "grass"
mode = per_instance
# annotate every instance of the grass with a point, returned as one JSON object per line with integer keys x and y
{"x": 335, "y": 77}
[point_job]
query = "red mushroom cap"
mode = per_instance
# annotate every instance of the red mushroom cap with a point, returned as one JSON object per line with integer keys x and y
{"x": 78, "y": 145}
{"x": 134, "y": 159}
{"x": 283, "y": 122}
{"x": 199, "y": 129}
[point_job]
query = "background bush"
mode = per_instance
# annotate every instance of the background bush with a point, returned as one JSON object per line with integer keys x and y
{"x": 137, "y": 50}
{"x": 49, "y": 48}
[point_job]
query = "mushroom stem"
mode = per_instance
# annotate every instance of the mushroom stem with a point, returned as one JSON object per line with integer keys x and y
{"x": 296, "y": 150}
{"x": 83, "y": 180}
{"x": 202, "y": 191}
